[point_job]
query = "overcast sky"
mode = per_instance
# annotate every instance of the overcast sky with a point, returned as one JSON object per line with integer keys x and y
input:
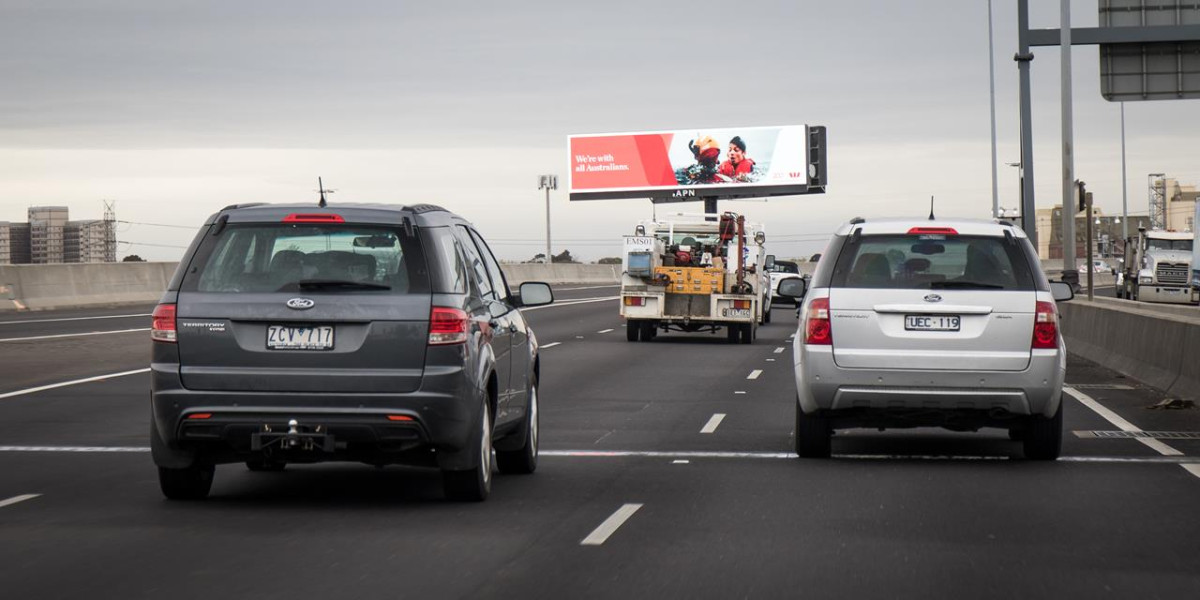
{"x": 175, "y": 109}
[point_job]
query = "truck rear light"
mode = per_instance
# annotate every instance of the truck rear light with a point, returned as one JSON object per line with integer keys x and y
{"x": 933, "y": 231}
{"x": 447, "y": 326}
{"x": 818, "y": 330}
{"x": 1045, "y": 326}
{"x": 313, "y": 218}
{"x": 635, "y": 300}
{"x": 162, "y": 323}
{"x": 741, "y": 304}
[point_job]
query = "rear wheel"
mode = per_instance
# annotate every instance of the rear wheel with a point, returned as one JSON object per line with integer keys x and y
{"x": 648, "y": 331}
{"x": 265, "y": 464}
{"x": 766, "y": 311}
{"x": 192, "y": 483}
{"x": 633, "y": 330}
{"x": 523, "y": 460}
{"x": 814, "y": 438}
{"x": 747, "y": 333}
{"x": 733, "y": 332}
{"x": 1043, "y": 437}
{"x": 474, "y": 484}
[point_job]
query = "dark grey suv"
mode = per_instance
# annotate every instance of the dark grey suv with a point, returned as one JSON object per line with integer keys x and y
{"x": 367, "y": 333}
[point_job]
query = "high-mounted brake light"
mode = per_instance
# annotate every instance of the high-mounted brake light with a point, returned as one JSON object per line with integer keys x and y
{"x": 162, "y": 323}
{"x": 933, "y": 231}
{"x": 1045, "y": 326}
{"x": 447, "y": 326}
{"x": 313, "y": 218}
{"x": 818, "y": 331}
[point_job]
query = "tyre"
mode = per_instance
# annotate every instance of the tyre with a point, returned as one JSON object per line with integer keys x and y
{"x": 633, "y": 330}
{"x": 1016, "y": 434}
{"x": 192, "y": 483}
{"x": 746, "y": 335}
{"x": 766, "y": 312}
{"x": 1043, "y": 436}
{"x": 473, "y": 485}
{"x": 814, "y": 438}
{"x": 732, "y": 331}
{"x": 648, "y": 331}
{"x": 523, "y": 460}
{"x": 265, "y": 465}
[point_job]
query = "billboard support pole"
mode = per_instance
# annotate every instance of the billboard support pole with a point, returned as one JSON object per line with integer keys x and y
{"x": 710, "y": 208}
{"x": 1068, "y": 141}
{"x": 548, "y": 182}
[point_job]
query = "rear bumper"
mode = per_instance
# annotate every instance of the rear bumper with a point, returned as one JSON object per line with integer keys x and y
{"x": 357, "y": 424}
{"x": 832, "y": 390}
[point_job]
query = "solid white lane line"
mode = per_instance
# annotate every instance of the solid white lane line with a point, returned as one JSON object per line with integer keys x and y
{"x": 551, "y": 344}
{"x": 42, "y": 388}
{"x": 67, "y": 335}
{"x": 1120, "y": 423}
{"x": 81, "y": 449}
{"x": 571, "y": 303}
{"x": 604, "y": 331}
{"x": 72, "y": 319}
{"x": 610, "y": 525}
{"x": 779, "y": 350}
{"x": 16, "y": 499}
{"x": 590, "y": 287}
{"x": 754, "y": 374}
{"x": 712, "y": 423}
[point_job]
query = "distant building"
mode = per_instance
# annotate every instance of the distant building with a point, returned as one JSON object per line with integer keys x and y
{"x": 1106, "y": 235}
{"x": 1181, "y": 206}
{"x": 50, "y": 237}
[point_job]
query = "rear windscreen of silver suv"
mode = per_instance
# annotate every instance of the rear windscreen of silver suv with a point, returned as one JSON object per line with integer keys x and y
{"x": 285, "y": 257}
{"x": 933, "y": 262}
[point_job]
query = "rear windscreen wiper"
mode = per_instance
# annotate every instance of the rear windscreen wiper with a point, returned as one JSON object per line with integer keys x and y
{"x": 942, "y": 285}
{"x": 311, "y": 284}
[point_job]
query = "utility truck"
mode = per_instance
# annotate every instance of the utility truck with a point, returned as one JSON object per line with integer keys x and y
{"x": 693, "y": 273}
{"x": 1157, "y": 268}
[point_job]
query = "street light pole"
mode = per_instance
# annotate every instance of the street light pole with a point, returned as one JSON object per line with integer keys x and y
{"x": 1124, "y": 185}
{"x": 548, "y": 182}
{"x": 992, "y": 83}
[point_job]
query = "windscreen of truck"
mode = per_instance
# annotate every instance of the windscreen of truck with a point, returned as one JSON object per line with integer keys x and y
{"x": 288, "y": 257}
{"x": 932, "y": 262}
{"x": 1160, "y": 244}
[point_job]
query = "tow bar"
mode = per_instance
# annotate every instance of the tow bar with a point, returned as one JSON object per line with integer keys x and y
{"x": 297, "y": 437}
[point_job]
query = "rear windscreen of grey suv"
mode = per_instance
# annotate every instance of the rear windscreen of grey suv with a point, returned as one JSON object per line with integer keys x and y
{"x": 932, "y": 262}
{"x": 288, "y": 257}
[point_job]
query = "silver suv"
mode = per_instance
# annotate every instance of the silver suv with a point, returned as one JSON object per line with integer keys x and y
{"x": 913, "y": 323}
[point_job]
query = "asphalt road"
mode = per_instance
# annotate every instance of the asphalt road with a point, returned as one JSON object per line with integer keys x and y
{"x": 699, "y": 505}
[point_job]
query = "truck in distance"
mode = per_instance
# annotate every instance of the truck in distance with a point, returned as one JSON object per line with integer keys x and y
{"x": 693, "y": 273}
{"x": 1157, "y": 268}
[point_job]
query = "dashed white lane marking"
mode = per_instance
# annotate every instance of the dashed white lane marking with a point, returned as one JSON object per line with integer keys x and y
{"x": 610, "y": 525}
{"x": 67, "y": 335}
{"x": 551, "y": 344}
{"x": 16, "y": 499}
{"x": 754, "y": 374}
{"x": 604, "y": 331}
{"x": 712, "y": 423}
{"x": 72, "y": 319}
{"x": 571, "y": 303}
{"x": 770, "y": 360}
{"x": 1124, "y": 425}
{"x": 579, "y": 337}
{"x": 42, "y": 388}
{"x": 779, "y": 350}
{"x": 681, "y": 462}
{"x": 740, "y": 392}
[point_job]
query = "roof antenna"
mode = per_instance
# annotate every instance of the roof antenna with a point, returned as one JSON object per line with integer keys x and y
{"x": 321, "y": 188}
{"x": 930, "y": 208}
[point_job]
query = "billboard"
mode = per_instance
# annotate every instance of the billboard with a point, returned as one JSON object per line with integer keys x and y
{"x": 694, "y": 164}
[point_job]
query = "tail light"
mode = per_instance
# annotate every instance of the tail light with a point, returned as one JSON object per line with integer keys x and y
{"x": 1045, "y": 326}
{"x": 162, "y": 323}
{"x": 817, "y": 328}
{"x": 635, "y": 300}
{"x": 447, "y": 326}
{"x": 742, "y": 304}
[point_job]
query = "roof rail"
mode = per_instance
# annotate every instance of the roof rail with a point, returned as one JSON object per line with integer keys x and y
{"x": 424, "y": 208}
{"x": 1006, "y": 223}
{"x": 857, "y": 220}
{"x": 246, "y": 205}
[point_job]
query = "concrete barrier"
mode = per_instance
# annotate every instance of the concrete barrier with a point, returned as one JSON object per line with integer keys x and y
{"x": 41, "y": 287}
{"x": 1158, "y": 348}
{"x": 561, "y": 273}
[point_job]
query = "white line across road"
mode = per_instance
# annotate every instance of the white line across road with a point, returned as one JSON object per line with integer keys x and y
{"x": 16, "y": 499}
{"x": 21, "y": 322}
{"x": 610, "y": 525}
{"x": 69, "y": 335}
{"x": 42, "y": 388}
{"x": 1124, "y": 425}
{"x": 571, "y": 303}
{"x": 754, "y": 374}
{"x": 712, "y": 423}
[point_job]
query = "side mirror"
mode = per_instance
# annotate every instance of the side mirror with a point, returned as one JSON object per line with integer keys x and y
{"x": 535, "y": 293}
{"x": 1061, "y": 291}
{"x": 770, "y": 262}
{"x": 793, "y": 287}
